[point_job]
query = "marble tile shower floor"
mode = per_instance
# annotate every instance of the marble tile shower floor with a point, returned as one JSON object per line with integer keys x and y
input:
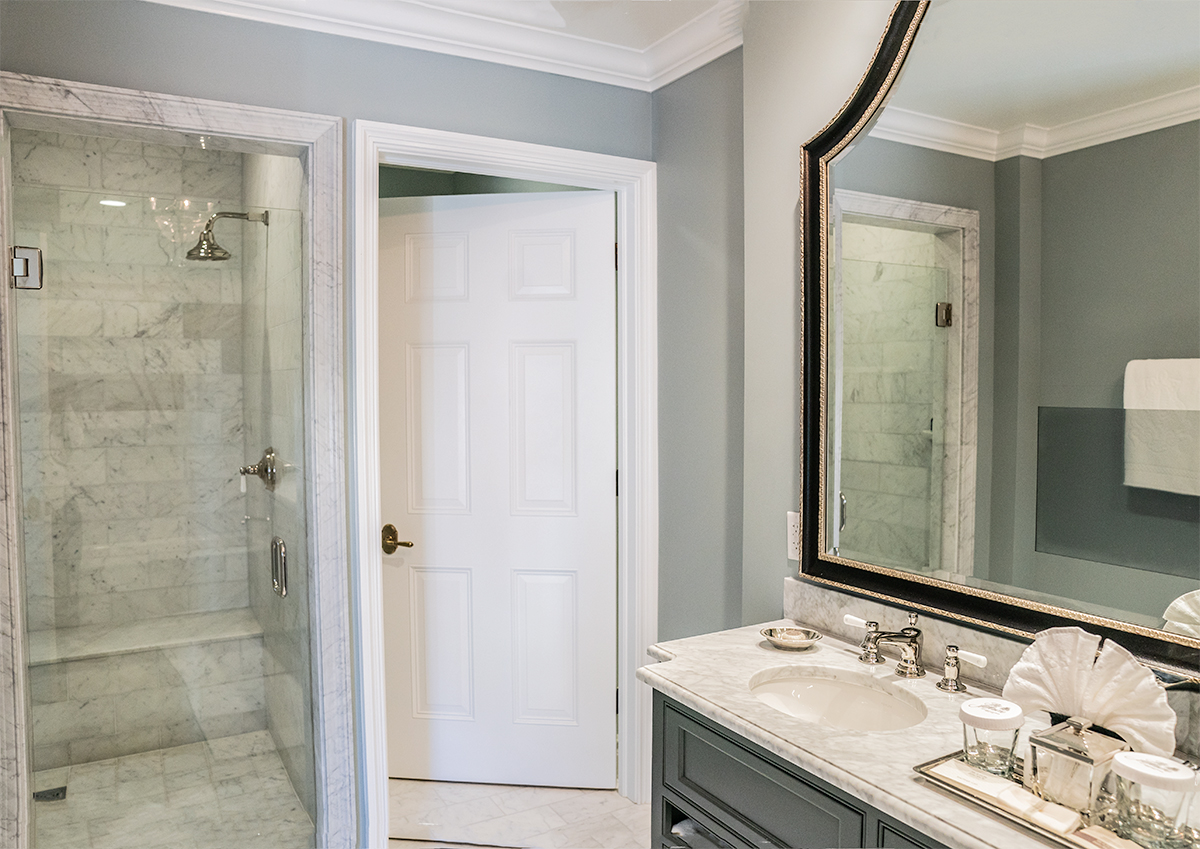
{"x": 438, "y": 813}
{"x": 228, "y": 792}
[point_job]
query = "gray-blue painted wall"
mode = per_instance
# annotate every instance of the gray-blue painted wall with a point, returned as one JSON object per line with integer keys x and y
{"x": 698, "y": 147}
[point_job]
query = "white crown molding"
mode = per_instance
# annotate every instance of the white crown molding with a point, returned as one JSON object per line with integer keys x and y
{"x": 460, "y": 33}
{"x": 902, "y": 125}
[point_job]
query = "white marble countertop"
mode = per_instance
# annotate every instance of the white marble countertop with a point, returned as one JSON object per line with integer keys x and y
{"x": 710, "y": 675}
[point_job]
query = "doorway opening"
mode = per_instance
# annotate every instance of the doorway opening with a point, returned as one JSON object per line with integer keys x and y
{"x": 631, "y": 182}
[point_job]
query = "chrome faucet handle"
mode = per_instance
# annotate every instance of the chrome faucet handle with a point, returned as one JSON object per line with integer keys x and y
{"x": 950, "y": 682}
{"x": 870, "y": 649}
{"x": 870, "y": 645}
{"x": 264, "y": 469}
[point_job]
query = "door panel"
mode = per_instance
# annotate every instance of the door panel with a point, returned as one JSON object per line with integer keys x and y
{"x": 498, "y": 449}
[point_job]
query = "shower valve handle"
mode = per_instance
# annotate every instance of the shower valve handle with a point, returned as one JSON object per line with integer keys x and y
{"x": 264, "y": 469}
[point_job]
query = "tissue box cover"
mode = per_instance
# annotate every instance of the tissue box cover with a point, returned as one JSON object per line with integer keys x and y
{"x": 1069, "y": 762}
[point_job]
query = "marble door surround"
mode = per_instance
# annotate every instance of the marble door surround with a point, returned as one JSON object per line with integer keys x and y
{"x": 54, "y": 105}
{"x": 634, "y": 183}
{"x": 957, "y": 249}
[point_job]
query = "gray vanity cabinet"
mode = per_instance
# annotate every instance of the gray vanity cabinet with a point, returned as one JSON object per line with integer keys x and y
{"x": 747, "y": 797}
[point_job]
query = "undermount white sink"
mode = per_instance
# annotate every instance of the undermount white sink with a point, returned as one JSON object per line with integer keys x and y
{"x": 838, "y": 698}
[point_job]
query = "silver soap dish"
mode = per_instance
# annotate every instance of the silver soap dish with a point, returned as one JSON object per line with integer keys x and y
{"x": 790, "y": 638}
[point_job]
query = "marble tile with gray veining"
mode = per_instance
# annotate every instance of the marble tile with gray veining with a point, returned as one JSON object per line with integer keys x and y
{"x": 226, "y": 792}
{"x": 187, "y": 629}
{"x": 157, "y": 156}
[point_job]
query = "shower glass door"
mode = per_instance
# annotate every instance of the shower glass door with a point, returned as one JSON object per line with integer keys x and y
{"x": 169, "y": 680}
{"x": 891, "y": 398}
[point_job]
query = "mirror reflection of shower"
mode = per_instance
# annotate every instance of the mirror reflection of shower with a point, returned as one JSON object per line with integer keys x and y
{"x": 208, "y": 249}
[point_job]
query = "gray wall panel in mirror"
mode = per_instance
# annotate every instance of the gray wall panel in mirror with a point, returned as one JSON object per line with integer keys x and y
{"x": 1120, "y": 258}
{"x": 1087, "y": 186}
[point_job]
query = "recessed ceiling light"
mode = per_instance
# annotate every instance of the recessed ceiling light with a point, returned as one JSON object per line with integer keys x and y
{"x": 112, "y": 203}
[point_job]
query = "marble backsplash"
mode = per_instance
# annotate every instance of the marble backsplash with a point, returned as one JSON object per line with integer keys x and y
{"x": 823, "y": 608}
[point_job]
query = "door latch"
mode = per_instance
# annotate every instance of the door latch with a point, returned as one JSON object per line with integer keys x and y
{"x": 26, "y": 267}
{"x": 392, "y": 541}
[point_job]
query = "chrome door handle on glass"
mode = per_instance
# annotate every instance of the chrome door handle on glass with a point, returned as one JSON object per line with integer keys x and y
{"x": 264, "y": 469}
{"x": 392, "y": 541}
{"x": 279, "y": 567}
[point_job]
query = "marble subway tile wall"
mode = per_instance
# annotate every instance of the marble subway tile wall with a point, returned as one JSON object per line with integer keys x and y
{"x": 98, "y": 708}
{"x": 893, "y": 386}
{"x": 131, "y": 399}
{"x": 273, "y": 301}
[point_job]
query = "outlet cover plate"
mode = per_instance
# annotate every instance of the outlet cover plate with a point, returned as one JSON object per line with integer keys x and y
{"x": 793, "y": 531}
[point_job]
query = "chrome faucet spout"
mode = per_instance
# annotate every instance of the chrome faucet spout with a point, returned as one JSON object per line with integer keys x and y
{"x": 908, "y": 640}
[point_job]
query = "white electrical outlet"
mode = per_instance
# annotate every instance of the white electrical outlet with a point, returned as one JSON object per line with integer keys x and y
{"x": 793, "y": 536}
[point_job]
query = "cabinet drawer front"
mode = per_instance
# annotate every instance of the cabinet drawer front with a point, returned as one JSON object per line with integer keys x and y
{"x": 772, "y": 807}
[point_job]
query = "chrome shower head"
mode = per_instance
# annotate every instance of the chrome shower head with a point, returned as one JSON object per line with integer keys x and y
{"x": 208, "y": 249}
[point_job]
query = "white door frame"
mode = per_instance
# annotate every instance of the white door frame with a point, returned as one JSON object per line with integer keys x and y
{"x": 634, "y": 182}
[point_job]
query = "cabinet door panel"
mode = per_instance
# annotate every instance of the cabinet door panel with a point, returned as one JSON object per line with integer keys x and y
{"x": 890, "y": 837}
{"x": 770, "y": 806}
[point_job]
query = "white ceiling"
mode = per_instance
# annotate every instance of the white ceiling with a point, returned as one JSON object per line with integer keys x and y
{"x": 640, "y": 44}
{"x": 1044, "y": 76}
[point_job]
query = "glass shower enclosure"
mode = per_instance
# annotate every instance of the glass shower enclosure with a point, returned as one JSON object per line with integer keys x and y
{"x": 166, "y": 597}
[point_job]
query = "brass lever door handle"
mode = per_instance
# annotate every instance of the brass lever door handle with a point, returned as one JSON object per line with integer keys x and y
{"x": 392, "y": 541}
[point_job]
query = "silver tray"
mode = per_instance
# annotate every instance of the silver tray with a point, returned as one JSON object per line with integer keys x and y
{"x": 963, "y": 793}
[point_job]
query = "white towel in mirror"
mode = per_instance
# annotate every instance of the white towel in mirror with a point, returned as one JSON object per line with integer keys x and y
{"x": 1162, "y": 425}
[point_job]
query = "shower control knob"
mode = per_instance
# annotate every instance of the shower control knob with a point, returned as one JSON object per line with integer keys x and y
{"x": 392, "y": 541}
{"x": 263, "y": 469}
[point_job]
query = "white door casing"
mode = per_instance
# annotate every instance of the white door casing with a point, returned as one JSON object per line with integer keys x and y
{"x": 498, "y": 457}
{"x": 633, "y": 181}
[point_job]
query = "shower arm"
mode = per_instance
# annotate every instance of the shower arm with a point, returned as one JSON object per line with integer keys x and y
{"x": 262, "y": 217}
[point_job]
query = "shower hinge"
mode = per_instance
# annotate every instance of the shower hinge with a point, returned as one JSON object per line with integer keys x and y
{"x": 26, "y": 267}
{"x": 54, "y": 794}
{"x": 943, "y": 314}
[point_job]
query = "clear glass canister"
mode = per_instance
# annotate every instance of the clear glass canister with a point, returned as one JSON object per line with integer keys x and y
{"x": 990, "y": 728}
{"x": 1152, "y": 799}
{"x": 1069, "y": 762}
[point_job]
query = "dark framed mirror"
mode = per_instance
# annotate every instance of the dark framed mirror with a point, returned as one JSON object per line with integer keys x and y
{"x": 999, "y": 265}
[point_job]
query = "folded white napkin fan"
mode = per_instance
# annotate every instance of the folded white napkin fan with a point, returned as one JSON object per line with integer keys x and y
{"x": 1065, "y": 671}
{"x": 1183, "y": 615}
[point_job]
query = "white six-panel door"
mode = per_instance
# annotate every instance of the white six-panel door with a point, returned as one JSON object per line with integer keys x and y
{"x": 497, "y": 364}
